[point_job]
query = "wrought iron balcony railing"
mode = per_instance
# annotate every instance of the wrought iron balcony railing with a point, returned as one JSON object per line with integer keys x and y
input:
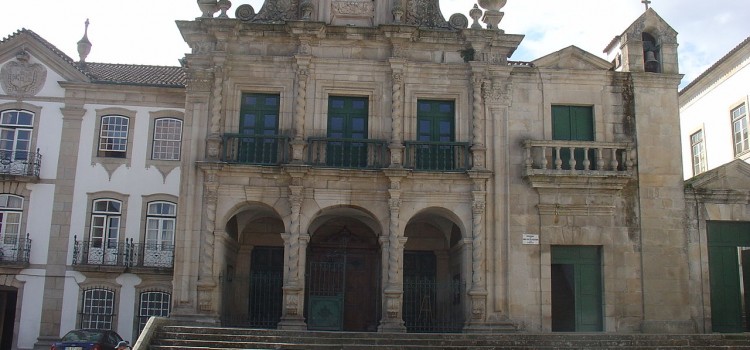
{"x": 15, "y": 250}
{"x": 255, "y": 149}
{"x": 557, "y": 157}
{"x": 20, "y": 163}
{"x": 347, "y": 153}
{"x": 123, "y": 254}
{"x": 437, "y": 156}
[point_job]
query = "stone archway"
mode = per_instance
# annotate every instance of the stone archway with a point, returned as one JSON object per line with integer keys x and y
{"x": 343, "y": 273}
{"x": 254, "y": 268}
{"x": 434, "y": 273}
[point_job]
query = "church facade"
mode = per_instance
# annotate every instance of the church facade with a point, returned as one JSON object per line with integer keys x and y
{"x": 349, "y": 166}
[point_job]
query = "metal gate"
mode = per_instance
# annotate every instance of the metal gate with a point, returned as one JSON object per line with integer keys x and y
{"x": 326, "y": 292}
{"x": 432, "y": 307}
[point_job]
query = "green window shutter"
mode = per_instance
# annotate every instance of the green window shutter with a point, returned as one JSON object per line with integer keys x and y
{"x": 259, "y": 116}
{"x": 347, "y": 122}
{"x": 435, "y": 124}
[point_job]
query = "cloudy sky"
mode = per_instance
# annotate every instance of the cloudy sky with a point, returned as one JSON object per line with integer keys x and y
{"x": 143, "y": 31}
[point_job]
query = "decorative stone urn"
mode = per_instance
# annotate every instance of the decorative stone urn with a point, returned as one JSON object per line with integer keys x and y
{"x": 492, "y": 5}
{"x": 493, "y": 16}
{"x": 208, "y": 7}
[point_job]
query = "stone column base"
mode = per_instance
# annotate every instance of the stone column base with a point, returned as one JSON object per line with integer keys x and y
{"x": 294, "y": 323}
{"x": 392, "y": 326}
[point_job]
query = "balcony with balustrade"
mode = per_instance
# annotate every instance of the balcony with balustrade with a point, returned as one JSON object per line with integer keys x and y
{"x": 95, "y": 255}
{"x": 20, "y": 166}
{"x": 15, "y": 251}
{"x": 344, "y": 153}
{"x": 578, "y": 164}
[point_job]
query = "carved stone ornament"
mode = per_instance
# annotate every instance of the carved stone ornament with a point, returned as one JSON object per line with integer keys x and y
{"x": 21, "y": 78}
{"x": 425, "y": 13}
{"x": 459, "y": 21}
{"x": 278, "y": 10}
{"x": 245, "y": 12}
{"x": 353, "y": 7}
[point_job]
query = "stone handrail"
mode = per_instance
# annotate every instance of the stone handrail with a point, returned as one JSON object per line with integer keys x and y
{"x": 552, "y": 157}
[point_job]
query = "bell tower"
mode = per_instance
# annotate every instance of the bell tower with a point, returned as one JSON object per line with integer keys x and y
{"x": 647, "y": 45}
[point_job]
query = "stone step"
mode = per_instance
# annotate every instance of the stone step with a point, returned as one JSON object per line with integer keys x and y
{"x": 192, "y": 337}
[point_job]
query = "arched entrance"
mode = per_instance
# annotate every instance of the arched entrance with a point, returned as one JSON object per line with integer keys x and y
{"x": 434, "y": 277}
{"x": 343, "y": 276}
{"x": 253, "y": 277}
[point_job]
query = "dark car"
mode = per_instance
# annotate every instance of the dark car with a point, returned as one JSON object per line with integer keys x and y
{"x": 88, "y": 339}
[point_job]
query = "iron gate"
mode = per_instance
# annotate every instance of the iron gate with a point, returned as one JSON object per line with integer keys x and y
{"x": 326, "y": 292}
{"x": 432, "y": 307}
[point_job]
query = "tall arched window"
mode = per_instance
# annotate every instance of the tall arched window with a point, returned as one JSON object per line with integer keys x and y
{"x": 105, "y": 231}
{"x": 160, "y": 227}
{"x": 16, "y": 127}
{"x": 11, "y": 211}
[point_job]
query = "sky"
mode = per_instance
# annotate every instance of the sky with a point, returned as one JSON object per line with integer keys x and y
{"x": 144, "y": 31}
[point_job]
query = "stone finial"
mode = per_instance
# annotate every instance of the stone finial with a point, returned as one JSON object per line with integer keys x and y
{"x": 476, "y": 14}
{"x": 224, "y": 6}
{"x": 84, "y": 45}
{"x": 398, "y": 11}
{"x": 493, "y": 16}
{"x": 306, "y": 9}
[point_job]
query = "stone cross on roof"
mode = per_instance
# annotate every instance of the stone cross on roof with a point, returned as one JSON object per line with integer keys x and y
{"x": 646, "y": 2}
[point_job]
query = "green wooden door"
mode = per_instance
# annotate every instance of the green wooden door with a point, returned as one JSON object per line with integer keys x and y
{"x": 259, "y": 115}
{"x": 435, "y": 124}
{"x": 347, "y": 123}
{"x": 577, "y": 289}
{"x": 727, "y": 310}
{"x": 573, "y": 123}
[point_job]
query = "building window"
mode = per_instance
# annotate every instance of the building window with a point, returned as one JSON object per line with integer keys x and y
{"x": 739, "y": 130}
{"x": 153, "y": 303}
{"x": 16, "y": 127}
{"x": 698, "y": 151}
{"x": 11, "y": 210}
{"x": 347, "y": 123}
{"x": 103, "y": 245}
{"x": 113, "y": 136}
{"x": 436, "y": 130}
{"x": 98, "y": 308}
{"x": 259, "y": 126}
{"x": 167, "y": 139}
{"x": 574, "y": 123}
{"x": 160, "y": 228}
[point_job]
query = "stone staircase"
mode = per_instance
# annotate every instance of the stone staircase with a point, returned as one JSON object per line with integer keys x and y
{"x": 168, "y": 337}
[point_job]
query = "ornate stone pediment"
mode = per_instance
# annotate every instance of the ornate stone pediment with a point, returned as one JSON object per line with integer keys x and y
{"x": 20, "y": 78}
{"x": 425, "y": 13}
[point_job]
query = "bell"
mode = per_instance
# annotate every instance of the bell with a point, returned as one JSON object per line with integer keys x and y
{"x": 651, "y": 57}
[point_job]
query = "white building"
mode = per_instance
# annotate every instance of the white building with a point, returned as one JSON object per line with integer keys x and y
{"x": 714, "y": 114}
{"x": 90, "y": 177}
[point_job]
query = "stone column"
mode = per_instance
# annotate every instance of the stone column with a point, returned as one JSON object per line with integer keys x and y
{"x": 294, "y": 250}
{"x": 392, "y": 319}
{"x": 478, "y": 291}
{"x": 478, "y": 148}
{"x": 213, "y": 141}
{"x": 396, "y": 146}
{"x": 59, "y": 234}
{"x": 207, "y": 280}
{"x": 300, "y": 102}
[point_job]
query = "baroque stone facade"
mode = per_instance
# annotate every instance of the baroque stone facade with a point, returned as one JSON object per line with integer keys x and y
{"x": 415, "y": 151}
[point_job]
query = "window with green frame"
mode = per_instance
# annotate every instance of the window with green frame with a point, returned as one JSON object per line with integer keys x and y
{"x": 573, "y": 123}
{"x": 347, "y": 123}
{"x": 259, "y": 120}
{"x": 436, "y": 130}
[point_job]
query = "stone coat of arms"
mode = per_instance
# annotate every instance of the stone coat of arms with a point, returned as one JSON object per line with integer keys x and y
{"x": 20, "y": 78}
